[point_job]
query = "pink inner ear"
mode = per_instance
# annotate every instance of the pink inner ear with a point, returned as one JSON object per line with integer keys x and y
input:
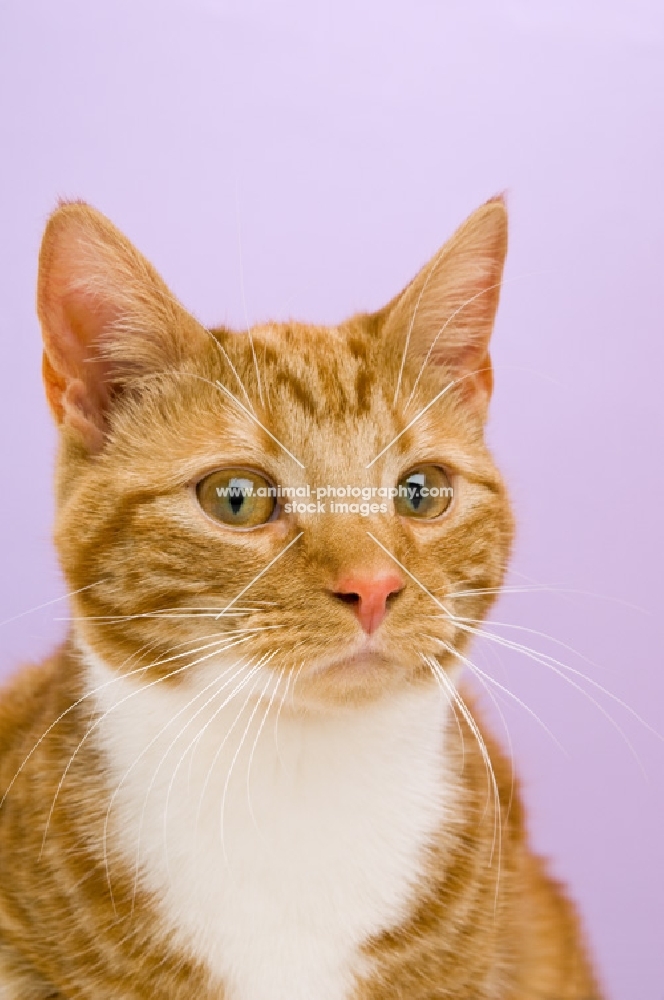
{"x": 90, "y": 279}
{"x": 105, "y": 314}
{"x": 76, "y": 375}
{"x": 90, "y": 319}
{"x": 449, "y": 308}
{"x": 462, "y": 357}
{"x": 77, "y": 413}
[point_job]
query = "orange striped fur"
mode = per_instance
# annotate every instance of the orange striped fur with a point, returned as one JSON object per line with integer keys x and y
{"x": 165, "y": 599}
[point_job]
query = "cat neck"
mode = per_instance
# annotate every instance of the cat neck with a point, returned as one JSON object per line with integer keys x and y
{"x": 304, "y": 833}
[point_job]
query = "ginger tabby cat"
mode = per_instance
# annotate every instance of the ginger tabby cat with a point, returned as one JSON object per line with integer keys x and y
{"x": 249, "y": 773}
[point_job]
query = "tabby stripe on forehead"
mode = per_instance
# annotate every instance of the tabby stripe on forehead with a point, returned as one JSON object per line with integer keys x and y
{"x": 300, "y": 392}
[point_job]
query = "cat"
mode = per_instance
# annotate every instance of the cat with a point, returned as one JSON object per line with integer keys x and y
{"x": 250, "y": 772}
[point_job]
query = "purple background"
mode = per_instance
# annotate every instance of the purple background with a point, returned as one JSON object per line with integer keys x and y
{"x": 301, "y": 159}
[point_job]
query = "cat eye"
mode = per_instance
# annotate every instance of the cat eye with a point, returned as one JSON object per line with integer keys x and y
{"x": 237, "y": 497}
{"x": 425, "y": 492}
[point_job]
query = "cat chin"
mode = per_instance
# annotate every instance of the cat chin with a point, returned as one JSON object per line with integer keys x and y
{"x": 369, "y": 673}
{"x": 369, "y": 656}
{"x": 357, "y": 679}
{"x": 359, "y": 662}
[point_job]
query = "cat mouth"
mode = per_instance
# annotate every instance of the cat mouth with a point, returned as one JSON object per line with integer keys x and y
{"x": 366, "y": 659}
{"x": 364, "y": 662}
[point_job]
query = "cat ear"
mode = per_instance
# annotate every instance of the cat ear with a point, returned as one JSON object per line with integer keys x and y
{"x": 446, "y": 315}
{"x": 106, "y": 317}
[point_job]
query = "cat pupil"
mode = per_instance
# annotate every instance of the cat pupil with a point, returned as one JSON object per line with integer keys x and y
{"x": 415, "y": 485}
{"x": 239, "y": 489}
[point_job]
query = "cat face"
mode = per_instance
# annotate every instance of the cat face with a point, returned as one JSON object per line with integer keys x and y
{"x": 353, "y": 595}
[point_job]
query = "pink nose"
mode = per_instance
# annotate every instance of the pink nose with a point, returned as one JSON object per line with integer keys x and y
{"x": 368, "y": 596}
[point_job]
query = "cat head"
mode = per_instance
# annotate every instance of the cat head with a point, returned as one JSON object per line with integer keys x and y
{"x": 175, "y": 440}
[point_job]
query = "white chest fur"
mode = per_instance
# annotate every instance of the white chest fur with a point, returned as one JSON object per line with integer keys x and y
{"x": 275, "y": 852}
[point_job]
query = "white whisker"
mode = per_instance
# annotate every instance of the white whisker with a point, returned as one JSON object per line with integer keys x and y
{"x": 444, "y": 327}
{"x": 252, "y": 416}
{"x": 432, "y": 270}
{"x": 257, "y": 737}
{"x": 197, "y": 737}
{"x": 236, "y": 755}
{"x": 254, "y": 670}
{"x": 47, "y": 604}
{"x": 261, "y": 573}
{"x": 91, "y": 694}
{"x": 145, "y": 750}
{"x": 424, "y": 410}
{"x": 194, "y": 743}
{"x": 276, "y": 721}
{"x": 408, "y": 573}
{"x": 525, "y": 628}
{"x": 480, "y": 676}
{"x": 474, "y": 728}
{"x": 558, "y": 668}
{"x": 101, "y": 718}
{"x": 537, "y": 588}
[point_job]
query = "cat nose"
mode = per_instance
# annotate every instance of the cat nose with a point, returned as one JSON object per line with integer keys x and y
{"x": 368, "y": 596}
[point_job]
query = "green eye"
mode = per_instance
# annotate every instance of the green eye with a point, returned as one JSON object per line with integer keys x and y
{"x": 425, "y": 492}
{"x": 237, "y": 497}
